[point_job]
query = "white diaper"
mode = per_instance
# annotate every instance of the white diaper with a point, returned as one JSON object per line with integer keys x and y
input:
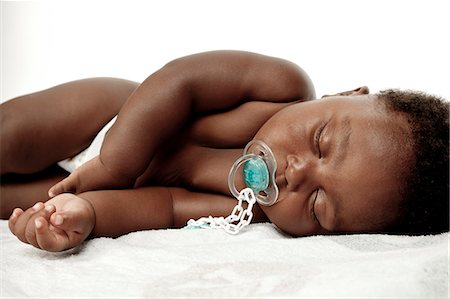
{"x": 92, "y": 151}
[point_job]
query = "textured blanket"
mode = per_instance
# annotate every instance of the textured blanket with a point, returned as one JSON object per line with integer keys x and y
{"x": 259, "y": 262}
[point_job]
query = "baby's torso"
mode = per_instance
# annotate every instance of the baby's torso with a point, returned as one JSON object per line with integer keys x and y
{"x": 200, "y": 157}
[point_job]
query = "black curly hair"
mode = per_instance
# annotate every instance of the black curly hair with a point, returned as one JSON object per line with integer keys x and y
{"x": 424, "y": 208}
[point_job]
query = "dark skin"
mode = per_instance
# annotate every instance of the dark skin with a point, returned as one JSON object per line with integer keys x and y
{"x": 203, "y": 117}
{"x": 167, "y": 100}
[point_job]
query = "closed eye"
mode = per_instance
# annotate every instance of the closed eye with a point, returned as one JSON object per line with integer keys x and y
{"x": 317, "y": 139}
{"x": 313, "y": 214}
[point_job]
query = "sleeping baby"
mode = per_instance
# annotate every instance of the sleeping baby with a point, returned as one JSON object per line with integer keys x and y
{"x": 220, "y": 133}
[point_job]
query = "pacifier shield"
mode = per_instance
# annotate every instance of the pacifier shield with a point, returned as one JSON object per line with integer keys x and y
{"x": 259, "y": 168}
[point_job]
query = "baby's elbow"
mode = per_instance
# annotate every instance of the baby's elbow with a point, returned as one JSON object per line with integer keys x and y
{"x": 301, "y": 82}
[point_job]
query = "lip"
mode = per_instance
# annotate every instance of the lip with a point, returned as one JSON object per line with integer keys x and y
{"x": 280, "y": 180}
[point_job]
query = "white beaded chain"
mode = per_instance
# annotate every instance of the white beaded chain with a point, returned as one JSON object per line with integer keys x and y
{"x": 228, "y": 224}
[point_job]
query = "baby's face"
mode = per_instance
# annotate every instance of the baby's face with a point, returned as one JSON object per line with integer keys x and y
{"x": 339, "y": 166}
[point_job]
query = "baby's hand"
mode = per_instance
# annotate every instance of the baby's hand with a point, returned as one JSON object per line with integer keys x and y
{"x": 63, "y": 222}
{"x": 92, "y": 175}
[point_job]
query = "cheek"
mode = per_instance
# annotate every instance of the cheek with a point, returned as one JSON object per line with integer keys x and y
{"x": 268, "y": 129}
{"x": 288, "y": 217}
{"x": 278, "y": 123}
{"x": 325, "y": 214}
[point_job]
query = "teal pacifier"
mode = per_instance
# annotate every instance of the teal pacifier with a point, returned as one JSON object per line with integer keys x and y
{"x": 258, "y": 172}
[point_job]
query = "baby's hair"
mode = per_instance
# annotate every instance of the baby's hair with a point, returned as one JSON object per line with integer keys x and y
{"x": 424, "y": 208}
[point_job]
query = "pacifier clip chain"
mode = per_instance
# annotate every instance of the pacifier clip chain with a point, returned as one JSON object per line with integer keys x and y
{"x": 228, "y": 224}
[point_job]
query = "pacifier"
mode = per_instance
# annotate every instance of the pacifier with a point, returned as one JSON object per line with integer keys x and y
{"x": 258, "y": 171}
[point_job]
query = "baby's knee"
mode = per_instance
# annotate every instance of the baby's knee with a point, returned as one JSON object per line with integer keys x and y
{"x": 13, "y": 134}
{"x": 13, "y": 196}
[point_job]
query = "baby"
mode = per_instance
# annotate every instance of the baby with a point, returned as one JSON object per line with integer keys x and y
{"x": 351, "y": 162}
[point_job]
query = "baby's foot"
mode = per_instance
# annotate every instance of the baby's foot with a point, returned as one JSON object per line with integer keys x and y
{"x": 93, "y": 175}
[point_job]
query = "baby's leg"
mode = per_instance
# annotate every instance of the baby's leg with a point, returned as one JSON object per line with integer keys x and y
{"x": 23, "y": 191}
{"x": 42, "y": 128}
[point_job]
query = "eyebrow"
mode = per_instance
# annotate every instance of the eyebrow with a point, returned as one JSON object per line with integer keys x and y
{"x": 342, "y": 152}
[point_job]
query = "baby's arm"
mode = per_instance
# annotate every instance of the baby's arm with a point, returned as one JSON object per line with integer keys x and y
{"x": 119, "y": 212}
{"x": 165, "y": 102}
{"x": 66, "y": 220}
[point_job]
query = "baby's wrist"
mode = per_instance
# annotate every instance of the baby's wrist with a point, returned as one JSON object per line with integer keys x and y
{"x": 120, "y": 177}
{"x": 92, "y": 216}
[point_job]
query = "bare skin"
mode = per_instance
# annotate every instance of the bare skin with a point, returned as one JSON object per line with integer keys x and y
{"x": 168, "y": 98}
{"x": 179, "y": 170}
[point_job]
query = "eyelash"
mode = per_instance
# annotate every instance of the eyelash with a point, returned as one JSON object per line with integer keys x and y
{"x": 317, "y": 139}
{"x": 312, "y": 208}
{"x": 317, "y": 144}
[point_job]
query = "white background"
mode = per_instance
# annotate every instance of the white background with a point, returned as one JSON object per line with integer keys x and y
{"x": 341, "y": 44}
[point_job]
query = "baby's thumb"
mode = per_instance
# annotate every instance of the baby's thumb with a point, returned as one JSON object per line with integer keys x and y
{"x": 63, "y": 186}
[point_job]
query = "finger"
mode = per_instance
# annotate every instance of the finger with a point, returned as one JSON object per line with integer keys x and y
{"x": 30, "y": 230}
{"x": 22, "y": 221}
{"x": 67, "y": 221}
{"x": 48, "y": 239}
{"x": 13, "y": 218}
{"x": 67, "y": 185}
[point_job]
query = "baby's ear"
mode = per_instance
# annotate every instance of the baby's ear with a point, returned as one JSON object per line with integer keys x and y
{"x": 355, "y": 92}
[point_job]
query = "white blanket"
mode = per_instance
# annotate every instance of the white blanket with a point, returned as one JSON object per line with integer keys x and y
{"x": 260, "y": 262}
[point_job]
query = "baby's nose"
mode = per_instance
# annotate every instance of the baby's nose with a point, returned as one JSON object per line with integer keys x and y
{"x": 297, "y": 171}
